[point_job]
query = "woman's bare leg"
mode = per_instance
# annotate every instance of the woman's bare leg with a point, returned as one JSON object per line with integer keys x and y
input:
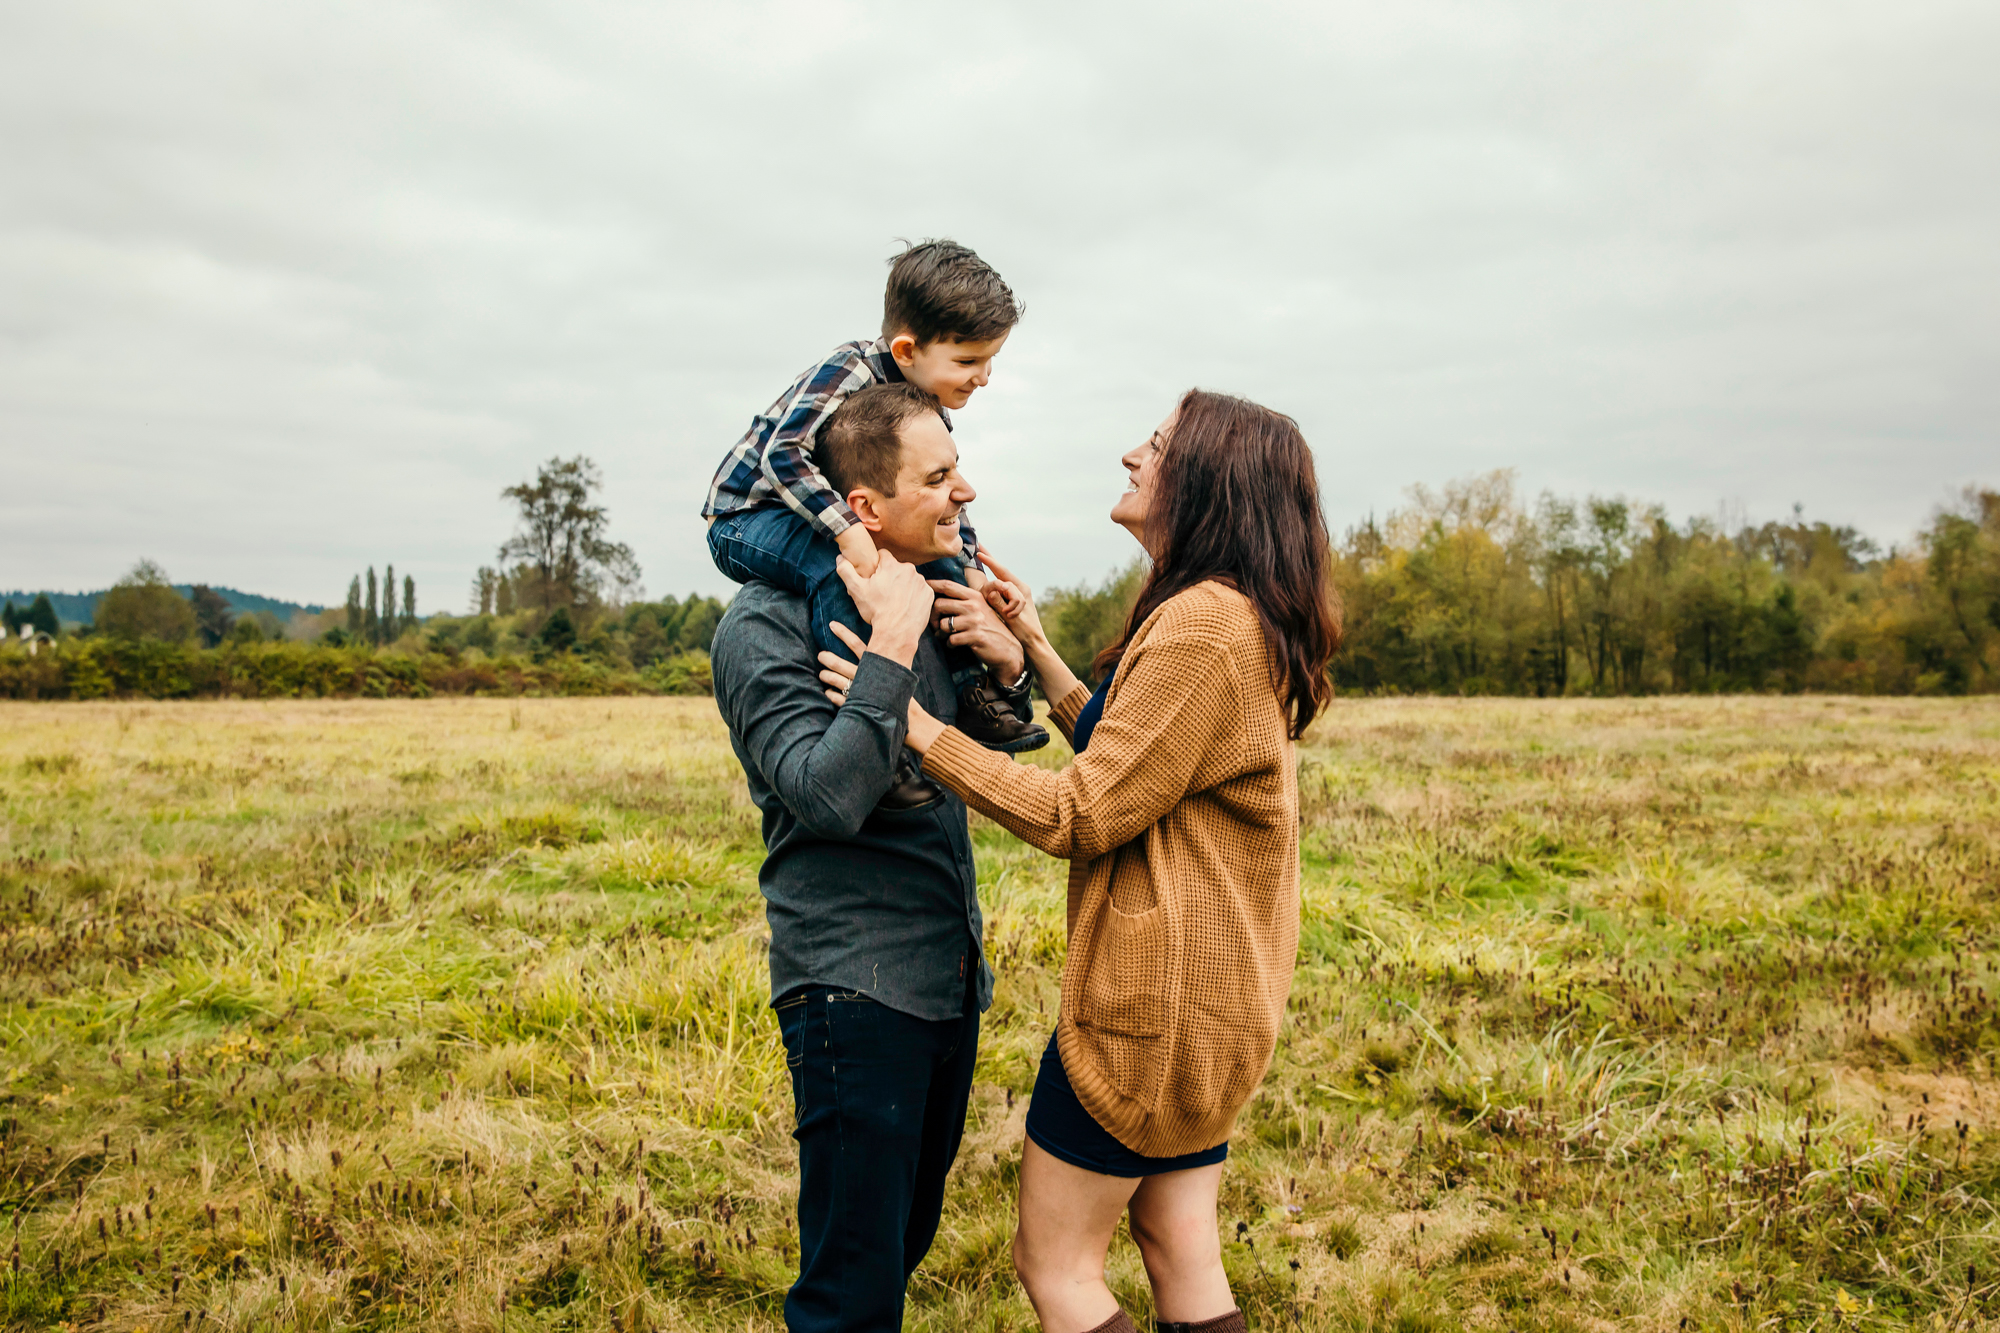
{"x": 1174, "y": 1223}
{"x": 1068, "y": 1216}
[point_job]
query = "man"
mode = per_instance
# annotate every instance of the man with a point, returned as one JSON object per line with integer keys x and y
{"x": 877, "y": 968}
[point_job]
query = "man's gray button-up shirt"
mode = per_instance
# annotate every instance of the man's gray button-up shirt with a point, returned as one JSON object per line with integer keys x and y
{"x": 882, "y": 903}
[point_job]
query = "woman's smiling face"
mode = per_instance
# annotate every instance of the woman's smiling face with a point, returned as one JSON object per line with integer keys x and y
{"x": 1142, "y": 465}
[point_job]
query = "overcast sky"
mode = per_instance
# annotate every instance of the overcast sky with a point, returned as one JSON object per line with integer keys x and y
{"x": 287, "y": 289}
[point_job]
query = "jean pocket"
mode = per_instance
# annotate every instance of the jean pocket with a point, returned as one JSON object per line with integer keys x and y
{"x": 794, "y": 1017}
{"x": 728, "y": 550}
{"x": 859, "y": 1028}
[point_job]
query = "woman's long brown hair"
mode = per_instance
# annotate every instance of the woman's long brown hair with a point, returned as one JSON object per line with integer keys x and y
{"x": 1235, "y": 499}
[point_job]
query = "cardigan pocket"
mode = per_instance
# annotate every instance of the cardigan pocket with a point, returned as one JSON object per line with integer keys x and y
{"x": 1123, "y": 983}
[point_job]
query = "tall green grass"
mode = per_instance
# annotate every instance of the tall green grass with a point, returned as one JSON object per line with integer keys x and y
{"x": 451, "y": 1014}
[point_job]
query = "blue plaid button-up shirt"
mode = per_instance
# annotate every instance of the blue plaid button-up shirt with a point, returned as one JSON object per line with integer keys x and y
{"x": 773, "y": 461}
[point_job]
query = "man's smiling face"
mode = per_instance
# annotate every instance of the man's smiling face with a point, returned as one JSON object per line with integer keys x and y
{"x": 919, "y": 523}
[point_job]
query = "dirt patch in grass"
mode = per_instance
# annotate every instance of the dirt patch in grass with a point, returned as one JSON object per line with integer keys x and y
{"x": 1895, "y": 1097}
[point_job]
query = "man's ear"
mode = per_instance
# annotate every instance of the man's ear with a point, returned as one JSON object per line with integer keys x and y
{"x": 903, "y": 347}
{"x": 866, "y": 505}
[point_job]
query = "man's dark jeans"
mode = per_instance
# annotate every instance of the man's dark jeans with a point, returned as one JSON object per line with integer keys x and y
{"x": 775, "y": 545}
{"x": 881, "y": 1099}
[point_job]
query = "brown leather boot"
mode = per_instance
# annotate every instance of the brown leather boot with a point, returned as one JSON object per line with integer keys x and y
{"x": 1222, "y": 1323}
{"x": 911, "y": 790}
{"x": 985, "y": 715}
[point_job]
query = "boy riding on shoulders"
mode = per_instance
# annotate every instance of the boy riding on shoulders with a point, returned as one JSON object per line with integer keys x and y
{"x": 774, "y": 516}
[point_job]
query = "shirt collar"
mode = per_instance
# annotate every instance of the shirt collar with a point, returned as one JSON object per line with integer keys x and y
{"x": 884, "y": 361}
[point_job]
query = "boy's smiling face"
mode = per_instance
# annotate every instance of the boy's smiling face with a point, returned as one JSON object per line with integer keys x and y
{"x": 919, "y": 523}
{"x": 948, "y": 368}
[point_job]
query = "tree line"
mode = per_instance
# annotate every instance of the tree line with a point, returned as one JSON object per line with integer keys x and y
{"x": 1471, "y": 590}
{"x": 145, "y": 605}
{"x": 38, "y": 617}
{"x": 368, "y": 622}
{"x": 1468, "y": 589}
{"x": 564, "y": 612}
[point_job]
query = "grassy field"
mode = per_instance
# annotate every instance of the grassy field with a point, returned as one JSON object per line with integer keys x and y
{"x": 1648, "y": 1014}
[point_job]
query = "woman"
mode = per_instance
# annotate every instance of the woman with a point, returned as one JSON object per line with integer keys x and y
{"x": 1180, "y": 820}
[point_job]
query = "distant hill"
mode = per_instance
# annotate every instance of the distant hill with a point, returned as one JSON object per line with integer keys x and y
{"x": 78, "y": 608}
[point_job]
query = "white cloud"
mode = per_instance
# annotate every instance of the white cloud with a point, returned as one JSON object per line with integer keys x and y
{"x": 285, "y": 290}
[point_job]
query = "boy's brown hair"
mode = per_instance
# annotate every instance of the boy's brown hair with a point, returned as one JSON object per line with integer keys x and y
{"x": 861, "y": 443}
{"x": 941, "y": 289}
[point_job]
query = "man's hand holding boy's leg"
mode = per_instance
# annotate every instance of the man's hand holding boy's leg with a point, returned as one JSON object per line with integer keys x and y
{"x": 965, "y": 620}
{"x": 896, "y": 603}
{"x": 971, "y": 625}
{"x": 993, "y": 706}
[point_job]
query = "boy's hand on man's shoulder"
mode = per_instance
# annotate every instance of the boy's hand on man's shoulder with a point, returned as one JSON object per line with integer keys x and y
{"x": 1006, "y": 599}
{"x": 859, "y": 548}
{"x": 1013, "y": 600}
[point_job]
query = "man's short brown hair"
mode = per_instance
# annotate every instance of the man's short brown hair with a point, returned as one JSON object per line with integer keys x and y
{"x": 861, "y": 443}
{"x": 940, "y": 289}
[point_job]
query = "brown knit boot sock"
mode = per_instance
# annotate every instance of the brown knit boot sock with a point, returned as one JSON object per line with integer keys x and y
{"x": 1222, "y": 1323}
{"x": 1118, "y": 1323}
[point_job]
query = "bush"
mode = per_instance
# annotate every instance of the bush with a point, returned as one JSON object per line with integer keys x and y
{"x": 683, "y": 673}
{"x": 101, "y": 667}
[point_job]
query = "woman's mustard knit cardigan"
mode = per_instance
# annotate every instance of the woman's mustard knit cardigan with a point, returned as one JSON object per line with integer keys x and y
{"x": 1180, "y": 821}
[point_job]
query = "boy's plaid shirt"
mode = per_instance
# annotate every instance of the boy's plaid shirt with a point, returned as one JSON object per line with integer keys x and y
{"x": 773, "y": 460}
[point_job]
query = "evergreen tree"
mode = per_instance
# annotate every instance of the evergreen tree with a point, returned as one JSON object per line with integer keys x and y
{"x": 42, "y": 615}
{"x": 211, "y": 614}
{"x": 388, "y": 604}
{"x": 558, "y": 632}
{"x": 11, "y": 619}
{"x": 354, "y": 608}
{"x": 371, "y": 623}
{"x": 484, "y": 585}
{"x": 409, "y": 601}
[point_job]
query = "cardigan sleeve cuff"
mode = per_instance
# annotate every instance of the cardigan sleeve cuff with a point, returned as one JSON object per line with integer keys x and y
{"x": 1065, "y": 710}
{"x": 963, "y": 764}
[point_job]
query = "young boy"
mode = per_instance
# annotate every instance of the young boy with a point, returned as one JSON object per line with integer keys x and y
{"x": 774, "y": 516}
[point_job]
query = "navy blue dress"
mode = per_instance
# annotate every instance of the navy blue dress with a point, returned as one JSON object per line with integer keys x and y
{"x": 1057, "y": 1120}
